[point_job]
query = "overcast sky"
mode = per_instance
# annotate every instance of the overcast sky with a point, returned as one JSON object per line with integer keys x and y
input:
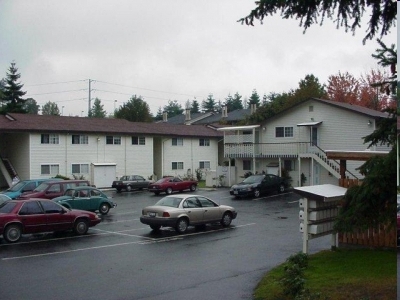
{"x": 166, "y": 50}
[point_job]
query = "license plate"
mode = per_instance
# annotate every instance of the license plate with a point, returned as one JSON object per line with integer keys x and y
{"x": 152, "y": 214}
{"x": 235, "y": 192}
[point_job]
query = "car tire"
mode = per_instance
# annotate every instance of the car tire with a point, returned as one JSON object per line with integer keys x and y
{"x": 155, "y": 227}
{"x": 12, "y": 233}
{"x": 182, "y": 225}
{"x": 226, "y": 219}
{"x": 81, "y": 227}
{"x": 168, "y": 191}
{"x": 257, "y": 193}
{"x": 281, "y": 188}
{"x": 193, "y": 187}
{"x": 128, "y": 188}
{"x": 118, "y": 190}
{"x": 156, "y": 193}
{"x": 104, "y": 208}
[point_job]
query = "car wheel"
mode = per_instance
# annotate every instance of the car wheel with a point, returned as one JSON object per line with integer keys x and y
{"x": 281, "y": 188}
{"x": 156, "y": 193}
{"x": 193, "y": 187}
{"x": 257, "y": 193}
{"x": 104, "y": 208}
{"x": 118, "y": 190}
{"x": 226, "y": 219}
{"x": 182, "y": 225}
{"x": 81, "y": 226}
{"x": 12, "y": 233}
{"x": 155, "y": 227}
{"x": 128, "y": 188}
{"x": 168, "y": 191}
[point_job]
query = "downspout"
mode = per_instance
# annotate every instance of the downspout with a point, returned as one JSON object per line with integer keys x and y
{"x": 254, "y": 154}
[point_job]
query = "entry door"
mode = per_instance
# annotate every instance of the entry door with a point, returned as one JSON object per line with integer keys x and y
{"x": 314, "y": 136}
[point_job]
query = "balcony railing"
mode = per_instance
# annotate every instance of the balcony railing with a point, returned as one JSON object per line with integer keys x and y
{"x": 267, "y": 150}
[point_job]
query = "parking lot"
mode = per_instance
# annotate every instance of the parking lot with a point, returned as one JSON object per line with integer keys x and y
{"x": 123, "y": 259}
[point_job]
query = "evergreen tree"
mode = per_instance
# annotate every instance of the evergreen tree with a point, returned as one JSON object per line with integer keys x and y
{"x": 173, "y": 108}
{"x": 229, "y": 103}
{"x": 50, "y": 108}
{"x": 135, "y": 110}
{"x": 12, "y": 91}
{"x": 195, "y": 107}
{"x": 209, "y": 105}
{"x": 31, "y": 106}
{"x": 159, "y": 115}
{"x": 347, "y": 13}
{"x": 97, "y": 110}
{"x": 254, "y": 99}
{"x": 236, "y": 102}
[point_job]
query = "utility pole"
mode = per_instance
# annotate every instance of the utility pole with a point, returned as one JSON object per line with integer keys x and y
{"x": 90, "y": 91}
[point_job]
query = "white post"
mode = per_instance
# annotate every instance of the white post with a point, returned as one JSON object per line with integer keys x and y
{"x": 305, "y": 230}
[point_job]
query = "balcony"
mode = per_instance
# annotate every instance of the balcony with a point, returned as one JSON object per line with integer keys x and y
{"x": 265, "y": 150}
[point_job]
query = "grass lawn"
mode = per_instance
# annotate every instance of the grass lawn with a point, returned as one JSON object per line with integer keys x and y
{"x": 342, "y": 274}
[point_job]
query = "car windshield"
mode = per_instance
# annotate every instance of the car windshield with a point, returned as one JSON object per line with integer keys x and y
{"x": 41, "y": 187}
{"x": 163, "y": 180}
{"x": 254, "y": 179}
{"x": 17, "y": 187}
{"x": 169, "y": 201}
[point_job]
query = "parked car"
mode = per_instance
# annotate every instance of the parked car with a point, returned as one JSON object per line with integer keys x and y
{"x": 181, "y": 211}
{"x": 172, "y": 184}
{"x": 24, "y": 186}
{"x": 256, "y": 185}
{"x": 86, "y": 198}
{"x": 4, "y": 198}
{"x": 130, "y": 182}
{"x": 53, "y": 189}
{"x": 19, "y": 217}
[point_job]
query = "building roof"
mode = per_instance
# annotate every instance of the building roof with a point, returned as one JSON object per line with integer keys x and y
{"x": 49, "y": 124}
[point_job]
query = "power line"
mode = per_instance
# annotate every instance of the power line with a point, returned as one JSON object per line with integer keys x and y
{"x": 50, "y": 83}
{"x": 57, "y": 92}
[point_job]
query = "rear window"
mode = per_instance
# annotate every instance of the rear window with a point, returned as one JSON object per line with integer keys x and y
{"x": 7, "y": 207}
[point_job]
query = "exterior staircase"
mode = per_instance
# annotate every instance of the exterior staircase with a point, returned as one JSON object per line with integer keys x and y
{"x": 8, "y": 171}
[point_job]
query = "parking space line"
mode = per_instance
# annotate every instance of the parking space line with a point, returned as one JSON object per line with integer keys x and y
{"x": 121, "y": 233}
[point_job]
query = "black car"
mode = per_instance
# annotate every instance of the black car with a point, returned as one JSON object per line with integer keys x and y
{"x": 130, "y": 182}
{"x": 255, "y": 185}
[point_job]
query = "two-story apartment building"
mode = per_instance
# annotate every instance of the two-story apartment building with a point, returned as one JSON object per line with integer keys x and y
{"x": 296, "y": 140}
{"x": 36, "y": 146}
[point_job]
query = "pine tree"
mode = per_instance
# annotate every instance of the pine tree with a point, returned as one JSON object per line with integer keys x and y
{"x": 50, "y": 108}
{"x": 195, "y": 107}
{"x": 97, "y": 110}
{"x": 12, "y": 91}
{"x": 209, "y": 105}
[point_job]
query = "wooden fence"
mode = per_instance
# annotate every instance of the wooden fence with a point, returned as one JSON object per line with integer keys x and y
{"x": 382, "y": 236}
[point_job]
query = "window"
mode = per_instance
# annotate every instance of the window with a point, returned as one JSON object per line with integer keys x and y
{"x": 289, "y": 164}
{"x": 311, "y": 108}
{"x": 283, "y": 131}
{"x": 113, "y": 140}
{"x": 49, "y": 169}
{"x": 204, "y": 164}
{"x": 177, "y": 141}
{"x": 80, "y": 168}
{"x": 177, "y": 165}
{"x": 80, "y": 139}
{"x": 138, "y": 140}
{"x": 51, "y": 207}
{"x": 30, "y": 208}
{"x": 246, "y": 165}
{"x": 204, "y": 142}
{"x": 49, "y": 139}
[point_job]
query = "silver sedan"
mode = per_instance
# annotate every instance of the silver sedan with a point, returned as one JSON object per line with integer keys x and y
{"x": 182, "y": 211}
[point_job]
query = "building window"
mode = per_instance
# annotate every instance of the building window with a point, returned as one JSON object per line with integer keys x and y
{"x": 49, "y": 169}
{"x": 80, "y": 139}
{"x": 204, "y": 142}
{"x": 311, "y": 108}
{"x": 177, "y": 141}
{"x": 49, "y": 139}
{"x": 113, "y": 140}
{"x": 246, "y": 165}
{"x": 204, "y": 164}
{"x": 138, "y": 140}
{"x": 289, "y": 164}
{"x": 177, "y": 165}
{"x": 80, "y": 168}
{"x": 283, "y": 131}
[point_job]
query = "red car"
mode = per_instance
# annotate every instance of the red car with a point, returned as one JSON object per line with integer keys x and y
{"x": 172, "y": 184}
{"x": 19, "y": 217}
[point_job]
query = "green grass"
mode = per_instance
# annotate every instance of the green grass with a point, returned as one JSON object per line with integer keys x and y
{"x": 342, "y": 274}
{"x": 201, "y": 184}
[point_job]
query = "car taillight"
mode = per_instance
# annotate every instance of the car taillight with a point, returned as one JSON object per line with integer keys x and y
{"x": 165, "y": 214}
